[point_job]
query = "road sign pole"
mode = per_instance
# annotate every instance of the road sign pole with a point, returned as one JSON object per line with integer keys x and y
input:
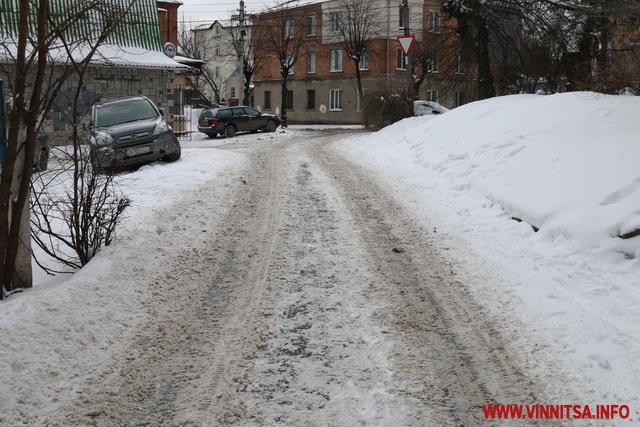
{"x": 405, "y": 11}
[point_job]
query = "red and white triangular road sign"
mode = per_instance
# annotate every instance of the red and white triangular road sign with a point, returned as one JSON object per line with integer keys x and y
{"x": 405, "y": 43}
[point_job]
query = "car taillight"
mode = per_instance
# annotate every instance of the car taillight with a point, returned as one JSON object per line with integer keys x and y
{"x": 216, "y": 122}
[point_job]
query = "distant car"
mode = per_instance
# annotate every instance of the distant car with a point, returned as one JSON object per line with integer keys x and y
{"x": 41, "y": 155}
{"x": 131, "y": 131}
{"x": 425, "y": 108}
{"x": 229, "y": 120}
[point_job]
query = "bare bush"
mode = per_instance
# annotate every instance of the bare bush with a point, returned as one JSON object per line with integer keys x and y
{"x": 383, "y": 109}
{"x": 75, "y": 210}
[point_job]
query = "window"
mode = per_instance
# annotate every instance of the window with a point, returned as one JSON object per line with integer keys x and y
{"x": 233, "y": 92}
{"x": 334, "y": 19}
{"x": 401, "y": 14}
{"x": 432, "y": 61}
{"x": 460, "y": 99}
{"x": 217, "y": 50}
{"x": 289, "y": 100}
{"x": 311, "y": 99}
{"x": 216, "y": 72}
{"x": 432, "y": 95}
{"x": 288, "y": 62}
{"x": 289, "y": 28}
{"x": 217, "y": 31}
{"x": 461, "y": 67}
{"x": 364, "y": 60}
{"x": 251, "y": 112}
{"x": 311, "y": 63}
{"x": 311, "y": 25}
{"x": 336, "y": 60}
{"x": 335, "y": 100}
{"x": 267, "y": 100}
{"x": 401, "y": 60}
{"x": 434, "y": 21}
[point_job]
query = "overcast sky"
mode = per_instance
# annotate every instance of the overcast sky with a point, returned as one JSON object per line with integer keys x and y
{"x": 206, "y": 11}
{"x": 203, "y": 11}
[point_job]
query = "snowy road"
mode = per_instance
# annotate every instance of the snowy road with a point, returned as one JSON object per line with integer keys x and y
{"x": 304, "y": 296}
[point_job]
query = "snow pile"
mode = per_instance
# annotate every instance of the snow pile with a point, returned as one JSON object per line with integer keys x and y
{"x": 150, "y": 188}
{"x": 490, "y": 173}
{"x": 566, "y": 164}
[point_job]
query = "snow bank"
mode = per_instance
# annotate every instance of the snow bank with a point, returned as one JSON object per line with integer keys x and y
{"x": 566, "y": 164}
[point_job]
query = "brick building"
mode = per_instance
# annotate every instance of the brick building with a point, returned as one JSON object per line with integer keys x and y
{"x": 168, "y": 17}
{"x": 322, "y": 85}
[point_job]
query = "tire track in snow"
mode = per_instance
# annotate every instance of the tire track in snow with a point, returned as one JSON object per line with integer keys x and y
{"x": 451, "y": 358}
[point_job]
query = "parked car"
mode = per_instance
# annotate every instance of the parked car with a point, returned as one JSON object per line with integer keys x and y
{"x": 425, "y": 108}
{"x": 229, "y": 120}
{"x": 41, "y": 155}
{"x": 131, "y": 131}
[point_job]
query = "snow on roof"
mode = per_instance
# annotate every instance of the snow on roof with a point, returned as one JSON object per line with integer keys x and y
{"x": 135, "y": 57}
{"x": 186, "y": 60}
{"x": 106, "y": 55}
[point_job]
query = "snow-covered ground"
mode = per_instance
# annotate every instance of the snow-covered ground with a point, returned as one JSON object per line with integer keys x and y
{"x": 568, "y": 295}
{"x": 565, "y": 164}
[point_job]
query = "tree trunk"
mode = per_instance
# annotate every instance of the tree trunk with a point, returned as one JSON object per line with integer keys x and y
{"x": 15, "y": 183}
{"x": 283, "y": 103}
{"x": 485, "y": 78}
{"x": 22, "y": 277}
{"x": 359, "y": 80}
{"x": 247, "y": 87}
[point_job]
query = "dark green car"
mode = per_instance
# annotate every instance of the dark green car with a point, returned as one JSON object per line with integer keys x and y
{"x": 228, "y": 121}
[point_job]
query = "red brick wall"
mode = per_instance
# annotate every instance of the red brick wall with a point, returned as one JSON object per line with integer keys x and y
{"x": 169, "y": 22}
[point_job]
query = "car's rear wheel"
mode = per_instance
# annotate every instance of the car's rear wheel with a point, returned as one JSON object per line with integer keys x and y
{"x": 230, "y": 131}
{"x": 271, "y": 126}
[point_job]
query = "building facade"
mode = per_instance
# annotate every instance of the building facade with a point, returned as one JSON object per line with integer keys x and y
{"x": 214, "y": 45}
{"x": 322, "y": 86}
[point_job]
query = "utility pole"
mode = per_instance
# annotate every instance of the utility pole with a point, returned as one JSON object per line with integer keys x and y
{"x": 405, "y": 13}
{"x": 241, "y": 53}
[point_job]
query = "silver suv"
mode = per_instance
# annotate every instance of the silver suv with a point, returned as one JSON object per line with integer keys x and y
{"x": 131, "y": 131}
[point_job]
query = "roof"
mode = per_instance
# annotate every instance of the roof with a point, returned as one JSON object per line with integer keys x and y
{"x": 107, "y": 55}
{"x": 110, "y": 55}
{"x": 138, "y": 27}
{"x": 188, "y": 61}
{"x": 224, "y": 23}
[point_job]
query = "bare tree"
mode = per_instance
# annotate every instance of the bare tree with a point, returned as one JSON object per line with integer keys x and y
{"x": 579, "y": 41}
{"x": 244, "y": 47}
{"x": 280, "y": 33}
{"x": 39, "y": 51}
{"x": 208, "y": 81}
{"x": 481, "y": 24}
{"x": 358, "y": 25}
{"x": 76, "y": 208}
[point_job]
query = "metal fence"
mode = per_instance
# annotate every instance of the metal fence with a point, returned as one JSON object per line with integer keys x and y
{"x": 182, "y": 123}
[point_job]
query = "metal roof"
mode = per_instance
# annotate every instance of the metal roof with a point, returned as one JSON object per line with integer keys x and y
{"x": 138, "y": 27}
